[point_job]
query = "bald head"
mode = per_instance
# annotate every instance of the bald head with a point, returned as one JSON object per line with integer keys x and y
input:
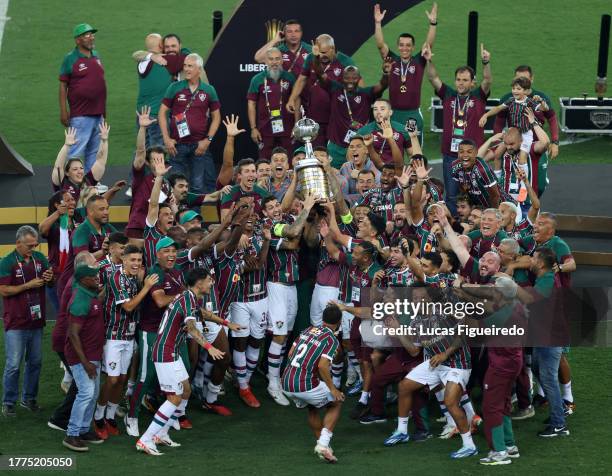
{"x": 154, "y": 43}
{"x": 512, "y": 140}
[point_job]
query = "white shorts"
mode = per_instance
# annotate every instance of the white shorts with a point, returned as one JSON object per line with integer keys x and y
{"x": 320, "y": 298}
{"x": 117, "y": 356}
{"x": 252, "y": 316}
{"x": 527, "y": 140}
{"x": 347, "y": 320}
{"x": 171, "y": 376}
{"x": 317, "y": 397}
{"x": 211, "y": 330}
{"x": 442, "y": 374}
{"x": 282, "y": 308}
{"x": 370, "y": 339}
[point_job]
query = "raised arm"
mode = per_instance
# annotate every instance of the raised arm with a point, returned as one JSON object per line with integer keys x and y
{"x": 482, "y": 151}
{"x": 433, "y": 23}
{"x": 227, "y": 167}
{"x": 295, "y": 229}
{"x": 211, "y": 238}
{"x": 57, "y": 174}
{"x": 260, "y": 54}
{"x": 455, "y": 243}
{"x": 378, "y": 32}
{"x": 383, "y": 83}
{"x": 541, "y": 145}
{"x": 144, "y": 121}
{"x": 287, "y": 202}
{"x": 430, "y": 69}
{"x": 159, "y": 170}
{"x": 99, "y": 166}
{"x": 487, "y": 77}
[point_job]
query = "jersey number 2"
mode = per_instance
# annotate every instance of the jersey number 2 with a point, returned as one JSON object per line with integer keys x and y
{"x": 299, "y": 353}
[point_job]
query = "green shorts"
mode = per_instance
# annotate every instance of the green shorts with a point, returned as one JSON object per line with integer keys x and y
{"x": 337, "y": 154}
{"x": 403, "y": 116}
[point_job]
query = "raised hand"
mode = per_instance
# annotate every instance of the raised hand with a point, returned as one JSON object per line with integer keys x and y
{"x": 70, "y": 136}
{"x": 433, "y": 15}
{"x": 150, "y": 281}
{"x": 421, "y": 171}
{"x": 387, "y": 65}
{"x": 315, "y": 49}
{"x": 368, "y": 140}
{"x": 378, "y": 15}
{"x": 404, "y": 179}
{"x": 231, "y": 126}
{"x": 387, "y": 130}
{"x": 144, "y": 117}
{"x": 426, "y": 52}
{"x": 323, "y": 228}
{"x": 158, "y": 166}
{"x": 530, "y": 115}
{"x": 484, "y": 54}
{"x": 104, "y": 130}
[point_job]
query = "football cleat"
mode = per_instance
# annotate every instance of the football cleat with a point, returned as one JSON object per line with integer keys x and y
{"x": 325, "y": 453}
{"x": 111, "y": 427}
{"x": 131, "y": 426}
{"x": 100, "y": 429}
{"x": 216, "y": 408}
{"x": 278, "y": 396}
{"x": 165, "y": 440}
{"x": 184, "y": 423}
{"x": 448, "y": 432}
{"x": 246, "y": 395}
{"x": 148, "y": 448}
{"x": 464, "y": 452}
{"x": 396, "y": 438}
{"x": 355, "y": 388}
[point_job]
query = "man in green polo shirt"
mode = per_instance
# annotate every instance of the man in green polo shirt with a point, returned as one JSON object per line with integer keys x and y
{"x": 189, "y": 117}
{"x": 23, "y": 276}
{"x": 83, "y": 90}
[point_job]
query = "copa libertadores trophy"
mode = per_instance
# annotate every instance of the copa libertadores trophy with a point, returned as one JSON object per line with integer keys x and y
{"x": 310, "y": 174}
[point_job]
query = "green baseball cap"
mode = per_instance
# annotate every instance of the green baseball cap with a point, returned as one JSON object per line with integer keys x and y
{"x": 299, "y": 150}
{"x": 84, "y": 271}
{"x": 165, "y": 242}
{"x": 188, "y": 216}
{"x": 83, "y": 28}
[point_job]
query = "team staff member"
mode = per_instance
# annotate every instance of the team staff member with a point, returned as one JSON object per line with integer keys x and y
{"x": 289, "y": 42}
{"x": 83, "y": 352}
{"x": 188, "y": 133}
{"x": 317, "y": 100}
{"x": 271, "y": 124}
{"x": 462, "y": 109}
{"x": 83, "y": 86}
{"x": 23, "y": 276}
{"x": 406, "y": 72}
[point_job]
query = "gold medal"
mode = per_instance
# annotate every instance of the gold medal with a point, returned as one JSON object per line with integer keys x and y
{"x": 403, "y": 88}
{"x": 403, "y": 77}
{"x": 461, "y": 112}
{"x": 460, "y": 123}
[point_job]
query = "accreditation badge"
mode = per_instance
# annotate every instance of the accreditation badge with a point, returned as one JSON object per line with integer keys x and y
{"x": 355, "y": 294}
{"x": 277, "y": 125}
{"x": 35, "y": 312}
{"x": 181, "y": 125}
{"x": 455, "y": 144}
{"x": 349, "y": 135}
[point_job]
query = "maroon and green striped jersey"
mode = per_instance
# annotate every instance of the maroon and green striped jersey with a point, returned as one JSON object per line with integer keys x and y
{"x": 428, "y": 328}
{"x": 313, "y": 344}
{"x": 397, "y": 277}
{"x": 382, "y": 202}
{"x": 252, "y": 285}
{"x": 282, "y": 264}
{"x": 359, "y": 279}
{"x": 227, "y": 278}
{"x": 428, "y": 242}
{"x": 107, "y": 269}
{"x": 120, "y": 324}
{"x": 520, "y": 231}
{"x": 516, "y": 112}
{"x": 482, "y": 244}
{"x": 172, "y": 283}
{"x": 151, "y": 235}
{"x": 171, "y": 333}
{"x": 477, "y": 182}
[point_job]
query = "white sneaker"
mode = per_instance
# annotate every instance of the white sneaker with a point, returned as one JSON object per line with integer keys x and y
{"x": 176, "y": 424}
{"x": 351, "y": 376}
{"x": 148, "y": 447}
{"x": 165, "y": 440}
{"x": 325, "y": 453}
{"x": 131, "y": 426}
{"x": 128, "y": 192}
{"x": 441, "y": 419}
{"x": 278, "y": 396}
{"x": 448, "y": 431}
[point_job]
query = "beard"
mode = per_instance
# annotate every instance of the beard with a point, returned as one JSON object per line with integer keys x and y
{"x": 274, "y": 73}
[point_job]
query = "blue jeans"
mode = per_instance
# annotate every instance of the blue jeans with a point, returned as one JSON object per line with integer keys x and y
{"x": 85, "y": 401}
{"x": 17, "y": 345}
{"x": 199, "y": 169}
{"x": 451, "y": 189}
{"x": 545, "y": 366}
{"x": 88, "y": 139}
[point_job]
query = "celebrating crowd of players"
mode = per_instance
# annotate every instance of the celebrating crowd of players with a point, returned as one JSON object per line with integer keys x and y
{"x": 171, "y": 306}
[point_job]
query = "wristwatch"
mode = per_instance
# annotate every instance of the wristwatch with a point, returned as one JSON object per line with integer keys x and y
{"x": 210, "y": 138}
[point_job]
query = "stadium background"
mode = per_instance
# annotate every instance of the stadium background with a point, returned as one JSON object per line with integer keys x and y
{"x": 558, "y": 38}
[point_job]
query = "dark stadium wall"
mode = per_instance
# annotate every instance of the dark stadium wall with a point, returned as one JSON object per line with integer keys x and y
{"x": 231, "y": 65}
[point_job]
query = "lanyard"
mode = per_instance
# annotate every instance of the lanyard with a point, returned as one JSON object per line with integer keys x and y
{"x": 348, "y": 106}
{"x": 297, "y": 55}
{"x": 404, "y": 73}
{"x": 280, "y": 96}
{"x": 193, "y": 95}
{"x": 462, "y": 110}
